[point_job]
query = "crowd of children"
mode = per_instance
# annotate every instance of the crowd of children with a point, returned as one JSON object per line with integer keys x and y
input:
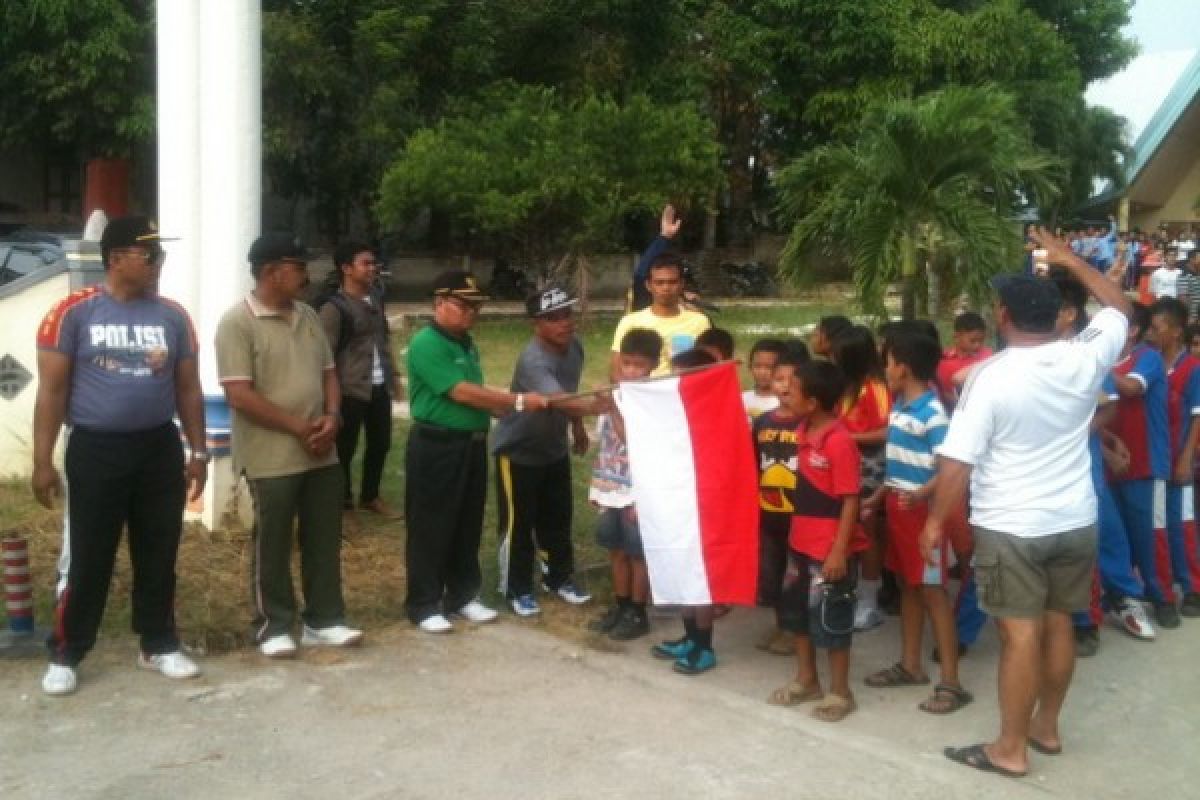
{"x": 845, "y": 431}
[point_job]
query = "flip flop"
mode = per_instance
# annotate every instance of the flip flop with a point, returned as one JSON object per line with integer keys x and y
{"x": 794, "y": 694}
{"x": 1045, "y": 750}
{"x": 957, "y": 696}
{"x": 893, "y": 676}
{"x": 976, "y": 757}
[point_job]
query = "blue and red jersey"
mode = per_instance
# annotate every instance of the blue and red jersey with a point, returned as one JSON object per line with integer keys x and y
{"x": 1141, "y": 422}
{"x": 1183, "y": 399}
{"x": 827, "y": 472}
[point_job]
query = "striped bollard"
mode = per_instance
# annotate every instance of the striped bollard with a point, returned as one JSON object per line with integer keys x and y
{"x": 18, "y": 589}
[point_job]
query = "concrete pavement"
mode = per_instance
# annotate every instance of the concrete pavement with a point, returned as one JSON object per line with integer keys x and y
{"x": 509, "y": 711}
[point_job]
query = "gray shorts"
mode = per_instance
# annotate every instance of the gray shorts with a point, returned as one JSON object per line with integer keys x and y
{"x": 824, "y": 612}
{"x": 1022, "y": 577}
{"x": 615, "y": 531}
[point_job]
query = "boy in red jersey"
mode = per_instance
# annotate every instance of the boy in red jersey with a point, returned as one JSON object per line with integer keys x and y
{"x": 969, "y": 333}
{"x": 1168, "y": 318}
{"x": 1140, "y": 493}
{"x": 817, "y": 602}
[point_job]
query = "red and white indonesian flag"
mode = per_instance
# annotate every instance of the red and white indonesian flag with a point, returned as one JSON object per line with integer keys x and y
{"x": 695, "y": 485}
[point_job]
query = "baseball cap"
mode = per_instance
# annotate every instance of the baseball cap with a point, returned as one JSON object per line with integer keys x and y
{"x": 457, "y": 283}
{"x": 549, "y": 300}
{"x": 130, "y": 232}
{"x": 276, "y": 247}
{"x": 1032, "y": 303}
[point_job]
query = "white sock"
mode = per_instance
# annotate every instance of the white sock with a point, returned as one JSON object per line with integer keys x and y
{"x": 868, "y": 592}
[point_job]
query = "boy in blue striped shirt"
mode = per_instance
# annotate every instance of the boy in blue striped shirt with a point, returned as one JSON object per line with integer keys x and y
{"x": 917, "y": 425}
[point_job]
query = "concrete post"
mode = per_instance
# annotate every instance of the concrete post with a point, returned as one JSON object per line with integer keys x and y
{"x": 210, "y": 188}
{"x": 179, "y": 149}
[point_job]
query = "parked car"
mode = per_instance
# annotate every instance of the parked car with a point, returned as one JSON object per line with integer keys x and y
{"x": 21, "y": 253}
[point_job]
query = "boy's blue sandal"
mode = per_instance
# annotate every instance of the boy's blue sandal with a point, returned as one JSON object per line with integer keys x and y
{"x": 695, "y": 662}
{"x": 674, "y": 649}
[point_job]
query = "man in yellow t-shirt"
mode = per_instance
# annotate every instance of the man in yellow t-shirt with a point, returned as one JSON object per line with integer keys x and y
{"x": 665, "y": 315}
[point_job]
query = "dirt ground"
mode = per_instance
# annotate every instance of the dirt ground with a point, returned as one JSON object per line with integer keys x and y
{"x": 511, "y": 711}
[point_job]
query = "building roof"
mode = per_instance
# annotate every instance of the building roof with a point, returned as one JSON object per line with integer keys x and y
{"x": 1168, "y": 83}
{"x": 1179, "y": 99}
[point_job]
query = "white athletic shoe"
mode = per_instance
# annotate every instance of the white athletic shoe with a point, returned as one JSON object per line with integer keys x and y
{"x": 476, "y": 611}
{"x": 867, "y": 618}
{"x": 173, "y": 665}
{"x": 570, "y": 593}
{"x": 435, "y": 623}
{"x": 59, "y": 680}
{"x": 333, "y": 636}
{"x": 281, "y": 646}
{"x": 1132, "y": 617}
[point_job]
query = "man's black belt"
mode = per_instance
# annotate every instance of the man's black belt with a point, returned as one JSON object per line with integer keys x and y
{"x": 443, "y": 434}
{"x": 157, "y": 429}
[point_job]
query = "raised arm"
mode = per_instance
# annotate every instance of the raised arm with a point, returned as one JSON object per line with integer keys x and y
{"x": 1105, "y": 291}
{"x": 668, "y": 229}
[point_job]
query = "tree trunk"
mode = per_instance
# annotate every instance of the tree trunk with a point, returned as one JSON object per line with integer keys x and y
{"x": 933, "y": 280}
{"x": 908, "y": 273}
{"x": 710, "y": 222}
{"x": 582, "y": 285}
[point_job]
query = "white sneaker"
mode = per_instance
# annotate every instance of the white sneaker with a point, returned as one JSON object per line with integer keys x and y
{"x": 173, "y": 665}
{"x": 570, "y": 593}
{"x": 281, "y": 646}
{"x": 476, "y": 611}
{"x": 333, "y": 636}
{"x": 1133, "y": 619}
{"x": 59, "y": 680}
{"x": 867, "y": 618}
{"x": 435, "y": 623}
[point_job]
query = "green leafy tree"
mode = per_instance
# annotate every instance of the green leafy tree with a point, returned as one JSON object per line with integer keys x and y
{"x": 546, "y": 179}
{"x": 934, "y": 177}
{"x": 77, "y": 75}
{"x": 346, "y": 82}
{"x": 834, "y": 61}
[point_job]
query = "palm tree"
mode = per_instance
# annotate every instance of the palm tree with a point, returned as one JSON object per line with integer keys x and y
{"x": 940, "y": 174}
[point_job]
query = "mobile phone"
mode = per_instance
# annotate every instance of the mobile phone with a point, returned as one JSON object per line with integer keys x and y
{"x": 932, "y": 576}
{"x": 1041, "y": 267}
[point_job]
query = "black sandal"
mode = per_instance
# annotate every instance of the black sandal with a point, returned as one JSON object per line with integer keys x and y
{"x": 1044, "y": 749}
{"x": 894, "y": 676}
{"x": 956, "y": 696}
{"x": 976, "y": 757}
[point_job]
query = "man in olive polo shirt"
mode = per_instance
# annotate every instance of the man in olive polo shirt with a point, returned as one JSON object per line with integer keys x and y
{"x": 446, "y": 460}
{"x": 277, "y": 370}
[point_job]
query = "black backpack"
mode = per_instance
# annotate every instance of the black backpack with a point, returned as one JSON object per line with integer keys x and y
{"x": 330, "y": 292}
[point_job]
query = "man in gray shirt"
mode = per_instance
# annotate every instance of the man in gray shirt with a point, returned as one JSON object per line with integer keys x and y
{"x": 533, "y": 466}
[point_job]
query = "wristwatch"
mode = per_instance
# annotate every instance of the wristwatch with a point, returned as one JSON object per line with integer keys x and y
{"x": 203, "y": 456}
{"x": 519, "y": 403}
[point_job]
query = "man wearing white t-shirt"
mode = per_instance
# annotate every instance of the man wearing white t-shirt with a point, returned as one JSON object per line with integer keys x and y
{"x": 1164, "y": 281}
{"x": 1019, "y": 437}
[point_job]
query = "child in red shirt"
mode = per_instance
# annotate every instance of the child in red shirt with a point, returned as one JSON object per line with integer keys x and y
{"x": 817, "y": 602}
{"x": 969, "y": 333}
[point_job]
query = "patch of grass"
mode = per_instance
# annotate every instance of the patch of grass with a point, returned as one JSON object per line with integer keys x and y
{"x": 213, "y": 597}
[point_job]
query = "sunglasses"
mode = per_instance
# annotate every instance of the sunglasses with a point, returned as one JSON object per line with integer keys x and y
{"x": 150, "y": 255}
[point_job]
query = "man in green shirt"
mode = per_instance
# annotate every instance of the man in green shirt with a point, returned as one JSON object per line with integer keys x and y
{"x": 446, "y": 459}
